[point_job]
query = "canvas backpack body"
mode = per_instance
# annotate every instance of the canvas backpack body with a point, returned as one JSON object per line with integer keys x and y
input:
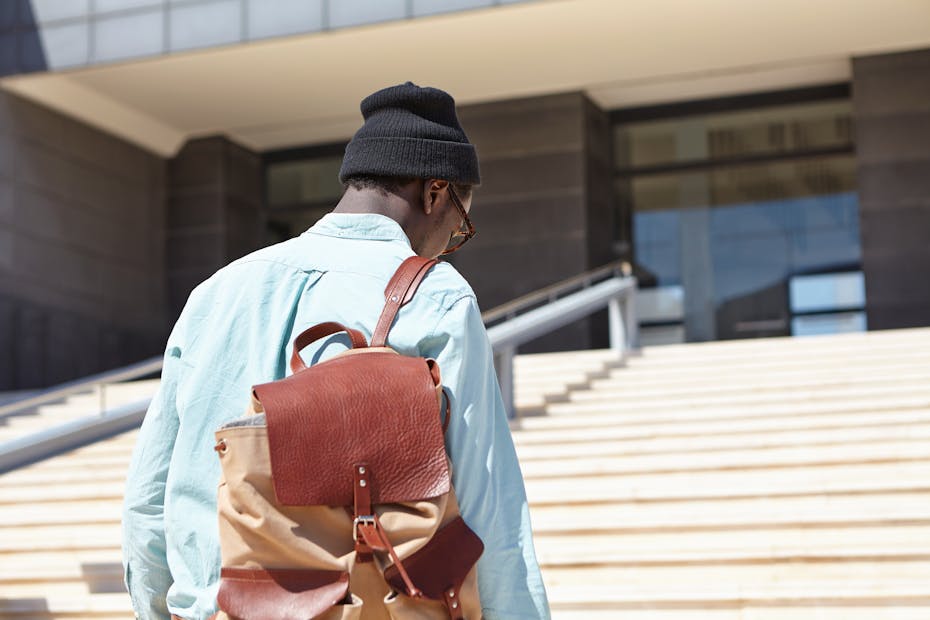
{"x": 336, "y": 499}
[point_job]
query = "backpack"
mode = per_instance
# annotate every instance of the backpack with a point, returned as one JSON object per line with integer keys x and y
{"x": 336, "y": 498}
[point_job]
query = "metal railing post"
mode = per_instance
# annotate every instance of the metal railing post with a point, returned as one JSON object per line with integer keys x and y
{"x": 618, "y": 335}
{"x": 101, "y": 398}
{"x": 630, "y": 320}
{"x": 503, "y": 363}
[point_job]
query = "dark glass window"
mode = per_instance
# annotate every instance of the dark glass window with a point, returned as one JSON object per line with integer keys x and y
{"x": 300, "y": 187}
{"x": 301, "y": 182}
{"x": 730, "y": 206}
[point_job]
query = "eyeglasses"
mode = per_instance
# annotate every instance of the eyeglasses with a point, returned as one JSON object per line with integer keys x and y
{"x": 465, "y": 232}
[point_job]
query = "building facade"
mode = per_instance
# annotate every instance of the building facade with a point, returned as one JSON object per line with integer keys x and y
{"x": 764, "y": 167}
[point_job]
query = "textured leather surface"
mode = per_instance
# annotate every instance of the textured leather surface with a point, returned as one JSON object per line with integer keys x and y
{"x": 280, "y": 594}
{"x": 375, "y": 408}
{"x": 443, "y": 563}
{"x": 321, "y": 330}
{"x": 399, "y": 291}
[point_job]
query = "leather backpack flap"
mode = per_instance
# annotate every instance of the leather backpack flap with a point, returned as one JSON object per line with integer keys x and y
{"x": 378, "y": 409}
{"x": 443, "y": 563}
{"x": 255, "y": 594}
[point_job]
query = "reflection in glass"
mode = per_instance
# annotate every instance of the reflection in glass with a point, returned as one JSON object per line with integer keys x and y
{"x": 828, "y": 291}
{"x": 776, "y": 130}
{"x": 729, "y": 207}
{"x": 298, "y": 193}
{"x": 838, "y": 323}
{"x": 811, "y": 176}
{"x": 304, "y": 181}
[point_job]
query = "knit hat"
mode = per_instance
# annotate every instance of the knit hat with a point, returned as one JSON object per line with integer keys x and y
{"x": 411, "y": 131}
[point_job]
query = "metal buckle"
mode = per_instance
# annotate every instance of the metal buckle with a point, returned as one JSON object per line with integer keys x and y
{"x": 368, "y": 520}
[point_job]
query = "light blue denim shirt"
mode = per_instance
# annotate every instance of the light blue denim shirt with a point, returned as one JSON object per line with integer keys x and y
{"x": 237, "y": 330}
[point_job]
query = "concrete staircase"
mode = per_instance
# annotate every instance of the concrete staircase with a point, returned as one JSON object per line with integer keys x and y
{"x": 764, "y": 479}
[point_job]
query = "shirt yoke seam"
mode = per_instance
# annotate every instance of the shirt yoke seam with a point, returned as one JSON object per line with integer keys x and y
{"x": 296, "y": 269}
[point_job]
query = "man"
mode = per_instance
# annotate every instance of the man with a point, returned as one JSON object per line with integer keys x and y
{"x": 408, "y": 174}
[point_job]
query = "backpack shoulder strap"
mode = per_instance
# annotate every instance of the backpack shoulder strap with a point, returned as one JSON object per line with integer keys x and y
{"x": 400, "y": 291}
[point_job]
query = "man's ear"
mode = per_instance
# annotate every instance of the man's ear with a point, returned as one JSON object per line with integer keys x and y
{"x": 432, "y": 188}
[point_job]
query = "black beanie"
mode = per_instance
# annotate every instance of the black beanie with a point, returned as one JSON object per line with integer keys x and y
{"x": 411, "y": 131}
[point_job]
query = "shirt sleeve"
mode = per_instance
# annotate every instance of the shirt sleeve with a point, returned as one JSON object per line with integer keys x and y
{"x": 145, "y": 565}
{"x": 486, "y": 473}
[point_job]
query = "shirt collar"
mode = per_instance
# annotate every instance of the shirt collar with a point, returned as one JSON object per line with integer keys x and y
{"x": 372, "y": 226}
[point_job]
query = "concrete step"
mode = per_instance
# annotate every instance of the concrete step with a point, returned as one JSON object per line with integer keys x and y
{"x": 781, "y": 348}
{"x": 798, "y": 395}
{"x": 915, "y": 397}
{"x": 754, "y": 365}
{"x": 716, "y": 597}
{"x": 916, "y": 429}
{"x": 748, "y": 513}
{"x": 74, "y": 589}
{"x": 740, "y": 546}
{"x": 55, "y": 538}
{"x": 860, "y": 342}
{"x": 102, "y": 462}
{"x": 31, "y": 515}
{"x": 67, "y": 602}
{"x": 33, "y": 567}
{"x": 707, "y": 611}
{"x": 609, "y": 411}
{"x": 690, "y": 486}
{"x": 53, "y": 478}
{"x": 63, "y": 495}
{"x": 815, "y": 574}
{"x": 916, "y": 450}
{"x": 717, "y": 423}
{"x": 562, "y": 359}
{"x": 903, "y": 376}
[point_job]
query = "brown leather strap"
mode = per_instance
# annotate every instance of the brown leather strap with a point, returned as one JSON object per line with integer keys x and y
{"x": 372, "y": 532}
{"x": 321, "y": 330}
{"x": 451, "y": 597}
{"x": 399, "y": 292}
{"x": 362, "y": 508}
{"x": 368, "y": 533}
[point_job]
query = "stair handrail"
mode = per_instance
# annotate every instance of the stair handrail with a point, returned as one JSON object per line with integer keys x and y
{"x": 98, "y": 381}
{"x": 617, "y": 293}
{"x": 551, "y": 292}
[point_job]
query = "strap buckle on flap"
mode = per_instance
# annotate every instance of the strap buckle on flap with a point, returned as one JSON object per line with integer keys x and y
{"x": 362, "y": 520}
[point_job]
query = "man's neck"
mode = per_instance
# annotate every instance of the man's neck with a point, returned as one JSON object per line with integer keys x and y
{"x": 372, "y": 201}
{"x": 390, "y": 205}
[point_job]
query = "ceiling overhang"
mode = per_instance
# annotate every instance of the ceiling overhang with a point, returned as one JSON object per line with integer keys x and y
{"x": 305, "y": 89}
